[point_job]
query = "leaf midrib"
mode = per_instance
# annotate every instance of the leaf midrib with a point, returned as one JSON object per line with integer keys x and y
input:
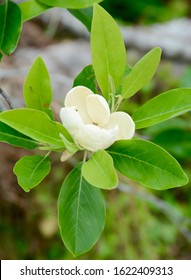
{"x": 143, "y": 162}
{"x": 38, "y": 133}
{"x": 18, "y": 137}
{"x": 30, "y": 178}
{"x": 163, "y": 114}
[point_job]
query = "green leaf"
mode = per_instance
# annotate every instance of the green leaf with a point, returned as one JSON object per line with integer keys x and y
{"x": 71, "y": 147}
{"x": 37, "y": 125}
{"x": 37, "y": 88}
{"x": 81, "y": 211}
{"x": 15, "y": 138}
{"x": 163, "y": 107}
{"x": 141, "y": 73}
{"x": 147, "y": 164}
{"x": 84, "y": 15}
{"x": 74, "y": 4}
{"x": 128, "y": 70}
{"x": 86, "y": 78}
{"x": 108, "y": 51}
{"x": 10, "y": 27}
{"x": 31, "y": 170}
{"x": 100, "y": 172}
{"x": 31, "y": 9}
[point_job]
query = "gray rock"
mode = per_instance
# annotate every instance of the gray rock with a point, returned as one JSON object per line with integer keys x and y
{"x": 64, "y": 61}
{"x": 173, "y": 37}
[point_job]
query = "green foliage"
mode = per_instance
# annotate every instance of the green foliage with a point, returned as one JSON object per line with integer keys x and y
{"x": 81, "y": 204}
{"x": 37, "y": 88}
{"x": 35, "y": 124}
{"x": 86, "y": 78}
{"x": 84, "y": 15}
{"x": 100, "y": 172}
{"x": 146, "y": 163}
{"x": 31, "y": 170}
{"x": 162, "y": 107}
{"x": 10, "y": 27}
{"x": 31, "y": 9}
{"x": 13, "y": 137}
{"x": 74, "y": 4}
{"x": 81, "y": 213}
{"x": 109, "y": 57}
{"x": 147, "y": 11}
{"x": 141, "y": 73}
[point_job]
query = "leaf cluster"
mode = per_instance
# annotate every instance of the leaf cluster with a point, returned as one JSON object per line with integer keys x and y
{"x": 81, "y": 207}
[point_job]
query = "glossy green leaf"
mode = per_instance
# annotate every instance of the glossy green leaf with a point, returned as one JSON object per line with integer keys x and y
{"x": 15, "y": 138}
{"x": 10, "y": 27}
{"x": 162, "y": 107}
{"x": 35, "y": 124}
{"x": 108, "y": 51}
{"x": 141, "y": 73}
{"x": 31, "y": 170}
{"x": 100, "y": 172}
{"x": 147, "y": 164}
{"x": 84, "y": 15}
{"x": 81, "y": 211}
{"x": 86, "y": 78}
{"x": 74, "y": 4}
{"x": 37, "y": 88}
{"x": 31, "y": 9}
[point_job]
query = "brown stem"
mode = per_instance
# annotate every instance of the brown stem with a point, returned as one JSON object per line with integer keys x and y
{"x": 4, "y": 95}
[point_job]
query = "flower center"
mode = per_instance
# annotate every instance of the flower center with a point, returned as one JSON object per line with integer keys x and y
{"x": 95, "y": 123}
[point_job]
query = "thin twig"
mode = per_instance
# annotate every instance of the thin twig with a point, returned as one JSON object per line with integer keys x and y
{"x": 4, "y": 95}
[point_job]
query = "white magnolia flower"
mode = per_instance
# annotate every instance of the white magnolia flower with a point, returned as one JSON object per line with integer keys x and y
{"x": 87, "y": 118}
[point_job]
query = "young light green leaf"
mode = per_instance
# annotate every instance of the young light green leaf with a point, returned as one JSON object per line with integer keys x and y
{"x": 86, "y": 78}
{"x": 31, "y": 170}
{"x": 15, "y": 138}
{"x": 100, "y": 172}
{"x": 81, "y": 212}
{"x": 71, "y": 147}
{"x": 74, "y": 4}
{"x": 128, "y": 70}
{"x": 37, "y": 125}
{"x": 84, "y": 15}
{"x": 31, "y": 9}
{"x": 37, "y": 88}
{"x": 147, "y": 164}
{"x": 163, "y": 107}
{"x": 10, "y": 26}
{"x": 108, "y": 51}
{"x": 141, "y": 73}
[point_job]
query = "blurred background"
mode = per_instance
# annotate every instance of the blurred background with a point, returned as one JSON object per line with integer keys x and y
{"x": 141, "y": 223}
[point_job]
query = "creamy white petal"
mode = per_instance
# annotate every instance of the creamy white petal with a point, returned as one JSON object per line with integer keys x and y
{"x": 94, "y": 138}
{"x": 71, "y": 119}
{"x": 76, "y": 97}
{"x": 98, "y": 109}
{"x": 125, "y": 123}
{"x": 66, "y": 155}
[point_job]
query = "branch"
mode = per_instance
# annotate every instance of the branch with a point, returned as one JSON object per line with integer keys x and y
{"x": 6, "y": 98}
